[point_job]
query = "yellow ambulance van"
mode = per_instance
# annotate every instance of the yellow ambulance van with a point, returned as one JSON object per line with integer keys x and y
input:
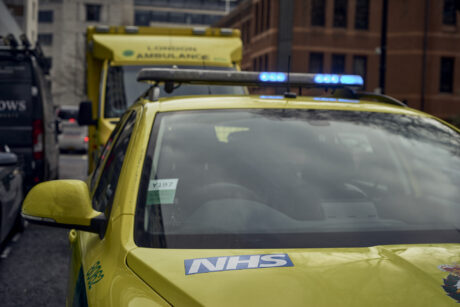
{"x": 115, "y": 54}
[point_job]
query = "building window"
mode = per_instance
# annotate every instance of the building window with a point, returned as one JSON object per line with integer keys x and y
{"x": 447, "y": 75}
{"x": 176, "y": 17}
{"x": 257, "y": 18}
{"x": 144, "y": 18}
{"x": 316, "y": 63}
{"x": 93, "y": 12}
{"x": 362, "y": 15}
{"x": 49, "y": 62}
{"x": 141, "y": 18}
{"x": 340, "y": 13}
{"x": 267, "y": 18}
{"x": 318, "y": 12}
{"x": 360, "y": 66}
{"x": 45, "y": 39}
{"x": 338, "y": 64}
{"x": 449, "y": 14}
{"x": 45, "y": 16}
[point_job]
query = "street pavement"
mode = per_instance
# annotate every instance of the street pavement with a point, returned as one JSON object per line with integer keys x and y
{"x": 34, "y": 265}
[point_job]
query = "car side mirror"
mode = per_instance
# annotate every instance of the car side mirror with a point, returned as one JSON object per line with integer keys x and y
{"x": 65, "y": 204}
{"x": 85, "y": 114}
{"x": 8, "y": 159}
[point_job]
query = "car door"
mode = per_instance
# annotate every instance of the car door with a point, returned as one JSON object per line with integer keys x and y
{"x": 102, "y": 187}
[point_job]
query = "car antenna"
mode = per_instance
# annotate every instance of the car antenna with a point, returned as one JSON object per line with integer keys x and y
{"x": 289, "y": 94}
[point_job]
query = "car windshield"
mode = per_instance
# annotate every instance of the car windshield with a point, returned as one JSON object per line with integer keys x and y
{"x": 123, "y": 89}
{"x": 298, "y": 178}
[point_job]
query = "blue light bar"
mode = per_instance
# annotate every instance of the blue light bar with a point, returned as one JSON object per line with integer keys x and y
{"x": 351, "y": 80}
{"x": 272, "y": 77}
{"x": 338, "y": 79}
{"x": 247, "y": 78}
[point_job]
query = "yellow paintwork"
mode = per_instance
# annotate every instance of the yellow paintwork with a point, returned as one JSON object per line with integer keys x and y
{"x": 149, "y": 46}
{"x": 184, "y": 50}
{"x": 399, "y": 275}
{"x": 402, "y": 275}
{"x": 64, "y": 201}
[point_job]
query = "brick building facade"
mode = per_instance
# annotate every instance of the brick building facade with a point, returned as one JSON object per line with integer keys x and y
{"x": 344, "y": 36}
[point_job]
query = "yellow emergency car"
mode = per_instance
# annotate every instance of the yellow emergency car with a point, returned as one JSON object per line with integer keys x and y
{"x": 115, "y": 54}
{"x": 263, "y": 200}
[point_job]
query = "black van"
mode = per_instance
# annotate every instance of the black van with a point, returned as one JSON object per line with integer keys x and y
{"x": 27, "y": 118}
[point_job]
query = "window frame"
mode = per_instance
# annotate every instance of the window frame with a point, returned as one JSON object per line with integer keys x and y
{"x": 45, "y": 16}
{"x": 364, "y": 59}
{"x": 97, "y": 12}
{"x": 446, "y": 76}
{"x": 130, "y": 117}
{"x": 310, "y": 61}
{"x": 362, "y": 9}
{"x": 338, "y": 59}
{"x": 45, "y": 39}
{"x": 340, "y": 17}
{"x": 449, "y": 13}
{"x": 318, "y": 13}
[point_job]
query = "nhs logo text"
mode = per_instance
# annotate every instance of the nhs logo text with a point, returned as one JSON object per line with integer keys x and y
{"x": 231, "y": 263}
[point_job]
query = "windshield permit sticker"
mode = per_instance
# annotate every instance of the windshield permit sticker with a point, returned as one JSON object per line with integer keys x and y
{"x": 233, "y": 263}
{"x": 161, "y": 191}
{"x": 452, "y": 282}
{"x": 223, "y": 132}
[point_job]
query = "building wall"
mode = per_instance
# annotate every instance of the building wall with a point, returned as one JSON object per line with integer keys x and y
{"x": 413, "y": 62}
{"x": 25, "y": 13}
{"x": 181, "y": 12}
{"x": 67, "y": 28}
{"x": 62, "y": 34}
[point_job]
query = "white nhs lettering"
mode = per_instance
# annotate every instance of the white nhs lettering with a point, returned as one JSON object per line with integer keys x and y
{"x": 219, "y": 266}
{"x": 243, "y": 262}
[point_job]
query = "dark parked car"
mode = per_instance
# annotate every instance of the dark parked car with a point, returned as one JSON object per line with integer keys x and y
{"x": 27, "y": 119}
{"x": 73, "y": 137}
{"x": 11, "y": 194}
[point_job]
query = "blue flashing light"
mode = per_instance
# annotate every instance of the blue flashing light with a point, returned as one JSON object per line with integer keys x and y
{"x": 338, "y": 79}
{"x": 348, "y": 100}
{"x": 280, "y": 77}
{"x": 351, "y": 80}
{"x": 263, "y": 76}
{"x": 272, "y": 77}
{"x": 334, "y": 79}
{"x": 271, "y": 97}
{"x": 325, "y": 99}
{"x": 326, "y": 79}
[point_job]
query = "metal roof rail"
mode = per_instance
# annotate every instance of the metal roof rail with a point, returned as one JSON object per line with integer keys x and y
{"x": 380, "y": 98}
{"x": 349, "y": 93}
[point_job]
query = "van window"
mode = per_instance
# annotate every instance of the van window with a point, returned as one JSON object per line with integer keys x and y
{"x": 122, "y": 89}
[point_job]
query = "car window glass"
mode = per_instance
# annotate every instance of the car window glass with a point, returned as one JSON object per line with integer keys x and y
{"x": 277, "y": 178}
{"x": 106, "y": 187}
{"x": 123, "y": 89}
{"x": 105, "y": 150}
